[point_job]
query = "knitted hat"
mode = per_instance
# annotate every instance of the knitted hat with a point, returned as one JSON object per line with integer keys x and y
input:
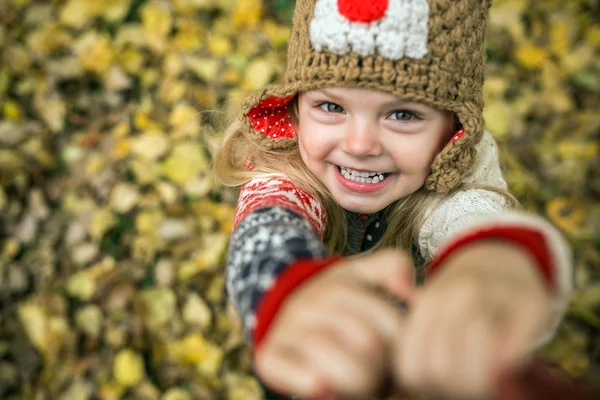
{"x": 429, "y": 51}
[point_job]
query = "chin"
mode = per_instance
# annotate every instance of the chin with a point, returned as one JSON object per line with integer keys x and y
{"x": 360, "y": 207}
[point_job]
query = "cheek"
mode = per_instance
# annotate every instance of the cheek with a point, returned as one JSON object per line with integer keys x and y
{"x": 312, "y": 141}
{"x": 414, "y": 156}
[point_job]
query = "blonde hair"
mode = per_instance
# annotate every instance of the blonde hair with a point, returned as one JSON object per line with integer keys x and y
{"x": 404, "y": 217}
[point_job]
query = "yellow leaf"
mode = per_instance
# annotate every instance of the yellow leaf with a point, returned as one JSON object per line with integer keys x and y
{"x": 102, "y": 220}
{"x": 278, "y": 35}
{"x": 231, "y": 76}
{"x": 205, "y": 68}
{"x": 172, "y": 65}
{"x": 498, "y": 118}
{"x": 95, "y": 163}
{"x": 131, "y": 60}
{"x": 219, "y": 45}
{"x": 592, "y": 36}
{"x": 49, "y": 39}
{"x": 128, "y": 368}
{"x": 52, "y": 109}
{"x": 159, "y": 307}
{"x": 36, "y": 324}
{"x": 210, "y": 364}
{"x": 143, "y": 122}
{"x": 145, "y": 171}
{"x": 578, "y": 149}
{"x": 81, "y": 286}
{"x": 156, "y": 18}
{"x": 186, "y": 6}
{"x": 184, "y": 162}
{"x": 157, "y": 22}
{"x": 189, "y": 36}
{"x": 176, "y": 393}
{"x": 185, "y": 119}
{"x": 216, "y": 289}
{"x": 247, "y": 13}
{"x": 17, "y": 58}
{"x": 150, "y": 145}
{"x": 121, "y": 130}
{"x": 124, "y": 197}
{"x": 147, "y": 222}
{"x": 121, "y": 148}
{"x": 577, "y": 59}
{"x": 11, "y": 246}
{"x": 530, "y": 57}
{"x": 172, "y": 91}
{"x": 196, "y": 312}
{"x": 560, "y": 37}
{"x": 114, "y": 10}
{"x": 258, "y": 74}
{"x": 207, "y": 97}
{"x": 567, "y": 213}
{"x": 95, "y": 52}
{"x": 193, "y": 348}
{"x": 12, "y": 110}
{"x": 78, "y": 13}
{"x": 559, "y": 100}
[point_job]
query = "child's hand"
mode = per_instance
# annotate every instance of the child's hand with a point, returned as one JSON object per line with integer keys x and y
{"x": 333, "y": 335}
{"x": 472, "y": 322}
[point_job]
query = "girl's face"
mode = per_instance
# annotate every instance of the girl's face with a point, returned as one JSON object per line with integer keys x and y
{"x": 368, "y": 148}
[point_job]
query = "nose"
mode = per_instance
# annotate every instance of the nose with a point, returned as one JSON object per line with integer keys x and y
{"x": 362, "y": 140}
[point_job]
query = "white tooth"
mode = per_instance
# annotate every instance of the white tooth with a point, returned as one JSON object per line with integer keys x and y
{"x": 369, "y": 180}
{"x": 375, "y": 179}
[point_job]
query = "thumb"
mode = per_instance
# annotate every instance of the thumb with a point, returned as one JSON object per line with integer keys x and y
{"x": 391, "y": 271}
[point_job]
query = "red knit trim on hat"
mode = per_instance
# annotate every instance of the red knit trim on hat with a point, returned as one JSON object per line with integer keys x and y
{"x": 272, "y": 119}
{"x": 363, "y": 11}
{"x": 294, "y": 276}
{"x": 529, "y": 239}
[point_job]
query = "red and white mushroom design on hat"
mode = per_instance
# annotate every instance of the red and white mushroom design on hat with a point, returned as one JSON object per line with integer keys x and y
{"x": 391, "y": 28}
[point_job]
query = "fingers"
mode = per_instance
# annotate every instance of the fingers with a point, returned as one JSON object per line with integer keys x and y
{"x": 342, "y": 343}
{"x": 326, "y": 363}
{"x": 519, "y": 339}
{"x": 373, "y": 311}
{"x": 347, "y": 373}
{"x": 453, "y": 361}
{"x": 450, "y": 347}
{"x": 285, "y": 370}
{"x": 390, "y": 270}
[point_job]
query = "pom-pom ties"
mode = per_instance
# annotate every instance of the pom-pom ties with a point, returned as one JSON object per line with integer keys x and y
{"x": 271, "y": 118}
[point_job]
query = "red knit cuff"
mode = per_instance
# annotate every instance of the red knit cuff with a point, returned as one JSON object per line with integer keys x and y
{"x": 531, "y": 240}
{"x": 296, "y": 274}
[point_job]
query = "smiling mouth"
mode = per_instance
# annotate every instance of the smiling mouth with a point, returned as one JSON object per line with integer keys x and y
{"x": 362, "y": 176}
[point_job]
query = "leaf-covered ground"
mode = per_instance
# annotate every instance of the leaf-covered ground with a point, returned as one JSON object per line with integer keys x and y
{"x": 112, "y": 234}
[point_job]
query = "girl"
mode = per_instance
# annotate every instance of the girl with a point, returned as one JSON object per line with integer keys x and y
{"x": 369, "y": 170}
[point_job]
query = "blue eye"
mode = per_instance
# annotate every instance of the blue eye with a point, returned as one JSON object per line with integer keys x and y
{"x": 331, "y": 107}
{"x": 403, "y": 115}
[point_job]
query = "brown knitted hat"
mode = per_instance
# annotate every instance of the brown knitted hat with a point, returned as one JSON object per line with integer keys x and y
{"x": 429, "y": 51}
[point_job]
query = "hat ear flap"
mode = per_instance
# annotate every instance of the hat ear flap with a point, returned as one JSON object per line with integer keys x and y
{"x": 266, "y": 117}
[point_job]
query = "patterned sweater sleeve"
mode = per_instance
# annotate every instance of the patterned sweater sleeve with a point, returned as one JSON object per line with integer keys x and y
{"x": 478, "y": 214}
{"x": 276, "y": 244}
